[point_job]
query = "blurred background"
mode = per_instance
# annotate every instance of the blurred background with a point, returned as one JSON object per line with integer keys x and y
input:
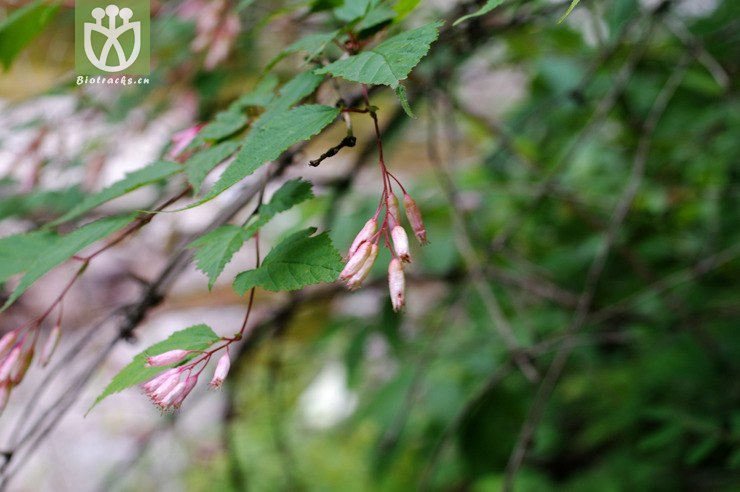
{"x": 572, "y": 325}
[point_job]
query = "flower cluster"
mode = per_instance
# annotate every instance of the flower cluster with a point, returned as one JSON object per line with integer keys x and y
{"x": 364, "y": 249}
{"x": 16, "y": 354}
{"x": 170, "y": 388}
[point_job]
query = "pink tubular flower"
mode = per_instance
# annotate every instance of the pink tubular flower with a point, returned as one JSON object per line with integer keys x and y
{"x": 167, "y": 402}
{"x": 393, "y": 213}
{"x": 401, "y": 243}
{"x": 50, "y": 345}
{"x": 9, "y": 364}
{"x": 356, "y": 261}
{"x": 396, "y": 284}
{"x": 7, "y": 341}
{"x": 21, "y": 366}
{"x": 222, "y": 370}
{"x": 414, "y": 216}
{"x": 367, "y": 232}
{"x": 356, "y": 280}
{"x": 167, "y": 358}
{"x": 165, "y": 387}
{"x": 190, "y": 383}
{"x": 156, "y": 381}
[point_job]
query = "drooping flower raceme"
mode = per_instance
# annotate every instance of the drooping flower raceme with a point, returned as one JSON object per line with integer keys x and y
{"x": 365, "y": 247}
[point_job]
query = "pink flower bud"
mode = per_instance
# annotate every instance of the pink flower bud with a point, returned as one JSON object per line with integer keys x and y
{"x": 392, "y": 209}
{"x": 21, "y": 366}
{"x": 401, "y": 243}
{"x": 367, "y": 232}
{"x": 356, "y": 280}
{"x": 165, "y": 387}
{"x": 50, "y": 346}
{"x": 222, "y": 369}
{"x": 356, "y": 261}
{"x": 9, "y": 364}
{"x": 414, "y": 216}
{"x": 396, "y": 284}
{"x": 4, "y": 395}
{"x": 7, "y": 341}
{"x": 167, "y": 358}
{"x": 182, "y": 139}
{"x": 190, "y": 383}
{"x": 157, "y": 381}
{"x": 166, "y": 402}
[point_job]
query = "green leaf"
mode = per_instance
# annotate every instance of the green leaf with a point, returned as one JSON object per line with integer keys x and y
{"x": 389, "y": 62}
{"x": 39, "y": 202}
{"x": 21, "y": 27}
{"x": 313, "y": 44}
{"x": 18, "y": 252}
{"x": 215, "y": 249}
{"x": 377, "y": 16}
{"x": 132, "y": 181}
{"x": 296, "y": 262}
{"x": 198, "y": 337}
{"x": 292, "y": 92}
{"x": 405, "y": 7}
{"x": 200, "y": 164}
{"x": 260, "y": 96}
{"x": 570, "y": 9}
{"x": 490, "y": 5}
{"x": 62, "y": 248}
{"x": 225, "y": 124}
{"x": 401, "y": 93}
{"x": 290, "y": 194}
{"x": 270, "y": 139}
{"x": 352, "y": 9}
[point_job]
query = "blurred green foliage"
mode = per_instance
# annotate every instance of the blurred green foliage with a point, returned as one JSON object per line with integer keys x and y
{"x": 650, "y": 397}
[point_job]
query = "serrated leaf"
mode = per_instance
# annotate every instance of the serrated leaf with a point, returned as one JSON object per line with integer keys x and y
{"x": 225, "y": 124}
{"x": 313, "y": 44}
{"x": 389, "y": 62}
{"x": 270, "y": 139}
{"x": 290, "y": 194}
{"x": 401, "y": 93}
{"x": 18, "y": 252}
{"x": 570, "y": 9}
{"x": 62, "y": 248}
{"x": 132, "y": 181}
{"x": 215, "y": 249}
{"x": 490, "y": 5}
{"x": 200, "y": 164}
{"x": 292, "y": 92}
{"x": 21, "y": 26}
{"x": 296, "y": 262}
{"x": 198, "y": 337}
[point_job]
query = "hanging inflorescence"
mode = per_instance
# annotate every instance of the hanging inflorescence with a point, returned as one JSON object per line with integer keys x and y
{"x": 364, "y": 249}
